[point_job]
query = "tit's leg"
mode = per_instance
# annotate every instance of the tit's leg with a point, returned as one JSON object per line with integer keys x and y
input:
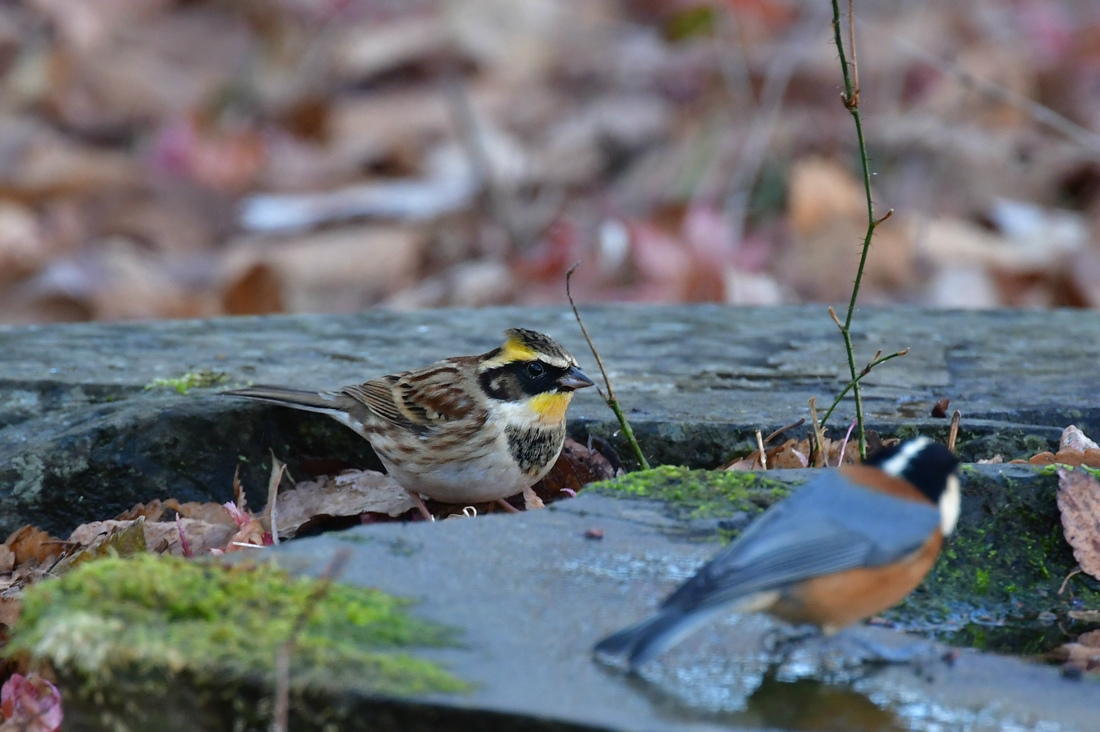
{"x": 917, "y": 652}
{"x": 782, "y": 640}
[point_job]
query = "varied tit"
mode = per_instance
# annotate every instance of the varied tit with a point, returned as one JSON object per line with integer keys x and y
{"x": 847, "y": 545}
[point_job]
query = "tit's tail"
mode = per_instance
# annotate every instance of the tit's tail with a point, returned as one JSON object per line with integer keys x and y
{"x": 311, "y": 401}
{"x": 644, "y": 641}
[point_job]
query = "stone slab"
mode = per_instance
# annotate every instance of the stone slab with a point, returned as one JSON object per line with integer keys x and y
{"x": 82, "y": 437}
{"x": 531, "y": 594}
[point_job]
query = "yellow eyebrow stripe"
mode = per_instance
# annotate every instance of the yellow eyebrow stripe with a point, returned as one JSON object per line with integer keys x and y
{"x": 516, "y": 350}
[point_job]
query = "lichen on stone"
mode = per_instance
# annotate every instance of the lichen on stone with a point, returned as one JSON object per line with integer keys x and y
{"x": 191, "y": 380}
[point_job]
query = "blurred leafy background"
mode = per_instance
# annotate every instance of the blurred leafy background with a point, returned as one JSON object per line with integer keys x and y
{"x": 190, "y": 158}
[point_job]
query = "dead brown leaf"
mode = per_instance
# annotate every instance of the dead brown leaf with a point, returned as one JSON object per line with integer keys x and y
{"x": 103, "y": 538}
{"x": 1079, "y": 504}
{"x": 576, "y": 467}
{"x": 214, "y": 513}
{"x": 1091, "y": 458}
{"x": 10, "y": 609}
{"x": 23, "y": 248}
{"x": 202, "y": 536}
{"x": 1083, "y": 653}
{"x": 7, "y": 559}
{"x": 30, "y": 543}
{"x": 152, "y": 511}
{"x": 828, "y": 211}
{"x": 1066, "y": 456}
{"x": 336, "y": 268}
{"x": 531, "y": 499}
{"x": 795, "y": 454}
{"x": 1085, "y": 616}
{"x": 155, "y": 536}
{"x": 348, "y": 494}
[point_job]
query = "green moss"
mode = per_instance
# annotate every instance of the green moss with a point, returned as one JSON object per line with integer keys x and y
{"x": 160, "y": 616}
{"x": 1006, "y": 567}
{"x": 699, "y": 493}
{"x": 191, "y": 380}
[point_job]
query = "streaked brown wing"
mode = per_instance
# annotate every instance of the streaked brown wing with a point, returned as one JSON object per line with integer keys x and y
{"x": 378, "y": 396}
{"x": 418, "y": 399}
{"x": 435, "y": 394}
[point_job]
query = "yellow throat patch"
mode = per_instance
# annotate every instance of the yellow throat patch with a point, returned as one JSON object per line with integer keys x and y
{"x": 550, "y": 407}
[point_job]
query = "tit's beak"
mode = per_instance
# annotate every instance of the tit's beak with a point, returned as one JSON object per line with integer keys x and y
{"x": 574, "y": 379}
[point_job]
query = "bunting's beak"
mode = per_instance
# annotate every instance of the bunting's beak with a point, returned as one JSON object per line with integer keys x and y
{"x": 574, "y": 379}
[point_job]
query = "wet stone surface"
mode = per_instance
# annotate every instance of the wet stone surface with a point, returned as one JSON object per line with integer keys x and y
{"x": 532, "y": 593}
{"x": 82, "y": 437}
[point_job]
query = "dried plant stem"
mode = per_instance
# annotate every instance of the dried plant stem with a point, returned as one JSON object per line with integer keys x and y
{"x": 760, "y": 447}
{"x": 844, "y": 445}
{"x": 801, "y": 421}
{"x": 819, "y": 434}
{"x": 333, "y": 569}
{"x": 271, "y": 511}
{"x": 610, "y": 396}
{"x": 1069, "y": 576}
{"x": 953, "y": 432}
{"x": 850, "y": 98}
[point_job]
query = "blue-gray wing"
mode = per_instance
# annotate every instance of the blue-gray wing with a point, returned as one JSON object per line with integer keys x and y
{"x": 829, "y": 525}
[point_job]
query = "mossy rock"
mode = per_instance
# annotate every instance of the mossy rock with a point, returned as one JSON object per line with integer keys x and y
{"x": 1005, "y": 566}
{"x": 142, "y": 636}
{"x": 711, "y": 503}
{"x": 1000, "y": 573}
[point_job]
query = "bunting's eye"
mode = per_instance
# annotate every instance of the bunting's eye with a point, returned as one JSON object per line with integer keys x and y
{"x": 535, "y": 369}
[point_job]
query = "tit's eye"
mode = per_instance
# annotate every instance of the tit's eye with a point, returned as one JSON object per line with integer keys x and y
{"x": 535, "y": 369}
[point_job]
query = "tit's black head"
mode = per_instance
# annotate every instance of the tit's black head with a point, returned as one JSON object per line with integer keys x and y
{"x": 926, "y": 464}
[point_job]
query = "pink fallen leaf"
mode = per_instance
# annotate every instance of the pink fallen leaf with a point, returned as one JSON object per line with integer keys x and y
{"x": 1074, "y": 439}
{"x": 31, "y": 703}
{"x": 1079, "y": 504}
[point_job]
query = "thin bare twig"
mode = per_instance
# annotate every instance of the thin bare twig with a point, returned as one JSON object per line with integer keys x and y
{"x": 850, "y": 97}
{"x": 1068, "y": 578}
{"x": 760, "y": 447}
{"x": 1042, "y": 114}
{"x": 333, "y": 569}
{"x": 612, "y": 402}
{"x": 852, "y": 46}
{"x": 854, "y": 382}
{"x": 801, "y": 421}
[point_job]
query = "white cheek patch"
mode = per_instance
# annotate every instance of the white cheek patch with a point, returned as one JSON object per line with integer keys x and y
{"x": 513, "y": 413}
{"x": 950, "y": 505}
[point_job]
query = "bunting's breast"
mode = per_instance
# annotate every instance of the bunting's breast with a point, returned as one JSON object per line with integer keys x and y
{"x": 535, "y": 448}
